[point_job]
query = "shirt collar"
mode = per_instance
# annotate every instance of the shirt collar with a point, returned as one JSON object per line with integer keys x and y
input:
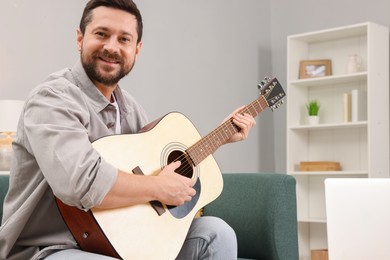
{"x": 96, "y": 98}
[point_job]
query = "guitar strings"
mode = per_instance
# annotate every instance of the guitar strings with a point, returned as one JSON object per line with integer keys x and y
{"x": 188, "y": 162}
{"x": 192, "y": 159}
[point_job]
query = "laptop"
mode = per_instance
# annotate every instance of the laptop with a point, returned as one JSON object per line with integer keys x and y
{"x": 358, "y": 218}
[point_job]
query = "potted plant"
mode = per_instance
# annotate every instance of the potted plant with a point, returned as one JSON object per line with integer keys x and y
{"x": 312, "y": 109}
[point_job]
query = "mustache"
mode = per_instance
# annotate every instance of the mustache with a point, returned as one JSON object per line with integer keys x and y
{"x": 106, "y": 55}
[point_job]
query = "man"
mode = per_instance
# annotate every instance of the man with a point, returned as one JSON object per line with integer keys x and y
{"x": 54, "y": 156}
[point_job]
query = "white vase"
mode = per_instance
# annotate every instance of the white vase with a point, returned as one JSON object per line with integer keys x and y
{"x": 354, "y": 63}
{"x": 314, "y": 120}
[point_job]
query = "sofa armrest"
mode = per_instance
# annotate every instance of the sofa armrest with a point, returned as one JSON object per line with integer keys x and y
{"x": 4, "y": 182}
{"x": 261, "y": 208}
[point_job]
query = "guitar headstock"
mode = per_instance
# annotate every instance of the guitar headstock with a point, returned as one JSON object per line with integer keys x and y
{"x": 272, "y": 92}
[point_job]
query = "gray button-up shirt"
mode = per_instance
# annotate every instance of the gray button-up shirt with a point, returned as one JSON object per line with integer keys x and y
{"x": 54, "y": 157}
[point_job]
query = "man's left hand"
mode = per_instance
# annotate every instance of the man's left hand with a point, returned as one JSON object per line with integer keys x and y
{"x": 244, "y": 121}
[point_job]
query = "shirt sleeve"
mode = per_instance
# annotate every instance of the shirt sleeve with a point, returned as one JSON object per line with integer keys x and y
{"x": 56, "y": 125}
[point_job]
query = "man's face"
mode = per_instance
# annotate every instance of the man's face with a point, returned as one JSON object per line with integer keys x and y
{"x": 109, "y": 45}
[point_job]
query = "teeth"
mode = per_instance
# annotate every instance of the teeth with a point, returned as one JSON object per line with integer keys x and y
{"x": 111, "y": 61}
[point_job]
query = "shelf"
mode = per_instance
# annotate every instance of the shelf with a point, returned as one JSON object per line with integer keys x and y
{"x": 4, "y": 172}
{"x": 333, "y": 34}
{"x": 361, "y": 147}
{"x": 329, "y": 173}
{"x": 330, "y": 80}
{"x": 330, "y": 126}
{"x": 312, "y": 220}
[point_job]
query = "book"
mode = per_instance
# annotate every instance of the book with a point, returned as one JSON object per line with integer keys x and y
{"x": 347, "y": 107}
{"x": 358, "y": 105}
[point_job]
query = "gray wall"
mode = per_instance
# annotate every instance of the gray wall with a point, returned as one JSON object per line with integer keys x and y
{"x": 203, "y": 58}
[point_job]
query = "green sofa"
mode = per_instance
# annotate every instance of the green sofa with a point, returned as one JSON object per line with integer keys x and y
{"x": 4, "y": 181}
{"x": 261, "y": 208}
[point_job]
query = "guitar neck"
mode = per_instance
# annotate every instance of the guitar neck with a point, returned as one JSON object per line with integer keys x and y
{"x": 211, "y": 142}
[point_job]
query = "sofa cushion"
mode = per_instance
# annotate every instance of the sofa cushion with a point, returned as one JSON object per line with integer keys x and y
{"x": 4, "y": 182}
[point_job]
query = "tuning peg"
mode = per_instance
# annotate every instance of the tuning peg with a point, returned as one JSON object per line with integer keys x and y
{"x": 265, "y": 81}
{"x": 280, "y": 103}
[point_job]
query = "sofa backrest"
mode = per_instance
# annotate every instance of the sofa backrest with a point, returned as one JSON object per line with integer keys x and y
{"x": 4, "y": 183}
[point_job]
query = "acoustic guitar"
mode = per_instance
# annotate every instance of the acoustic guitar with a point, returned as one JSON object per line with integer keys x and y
{"x": 154, "y": 230}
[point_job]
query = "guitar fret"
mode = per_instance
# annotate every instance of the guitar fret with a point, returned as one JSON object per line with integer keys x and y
{"x": 209, "y": 144}
{"x": 207, "y": 147}
{"x": 223, "y": 134}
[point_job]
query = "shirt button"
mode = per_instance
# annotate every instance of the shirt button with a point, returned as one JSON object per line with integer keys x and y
{"x": 111, "y": 125}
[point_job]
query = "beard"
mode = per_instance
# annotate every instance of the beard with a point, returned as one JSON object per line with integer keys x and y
{"x": 91, "y": 67}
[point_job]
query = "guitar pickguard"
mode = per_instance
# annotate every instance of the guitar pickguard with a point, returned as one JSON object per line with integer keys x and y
{"x": 183, "y": 210}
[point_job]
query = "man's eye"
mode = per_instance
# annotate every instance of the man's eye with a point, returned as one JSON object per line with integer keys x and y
{"x": 125, "y": 39}
{"x": 101, "y": 34}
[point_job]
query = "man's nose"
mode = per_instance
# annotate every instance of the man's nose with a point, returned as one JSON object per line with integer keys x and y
{"x": 112, "y": 45}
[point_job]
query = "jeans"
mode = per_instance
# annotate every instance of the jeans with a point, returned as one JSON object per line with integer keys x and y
{"x": 208, "y": 238}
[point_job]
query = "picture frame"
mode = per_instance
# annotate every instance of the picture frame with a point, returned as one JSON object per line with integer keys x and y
{"x": 315, "y": 68}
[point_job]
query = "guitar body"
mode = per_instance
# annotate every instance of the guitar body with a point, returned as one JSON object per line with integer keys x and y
{"x": 138, "y": 232}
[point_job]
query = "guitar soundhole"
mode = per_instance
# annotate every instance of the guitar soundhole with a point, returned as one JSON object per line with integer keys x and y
{"x": 185, "y": 168}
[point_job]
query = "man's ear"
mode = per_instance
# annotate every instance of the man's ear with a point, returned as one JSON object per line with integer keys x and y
{"x": 80, "y": 38}
{"x": 138, "y": 49}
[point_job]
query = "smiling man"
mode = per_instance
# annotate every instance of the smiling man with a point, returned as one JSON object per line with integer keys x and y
{"x": 54, "y": 156}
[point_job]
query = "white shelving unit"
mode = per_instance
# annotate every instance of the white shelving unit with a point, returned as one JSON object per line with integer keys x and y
{"x": 362, "y": 147}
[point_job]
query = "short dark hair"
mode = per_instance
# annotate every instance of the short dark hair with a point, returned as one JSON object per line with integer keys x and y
{"x": 125, "y": 5}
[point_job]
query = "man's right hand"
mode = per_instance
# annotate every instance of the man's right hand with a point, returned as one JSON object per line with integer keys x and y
{"x": 174, "y": 189}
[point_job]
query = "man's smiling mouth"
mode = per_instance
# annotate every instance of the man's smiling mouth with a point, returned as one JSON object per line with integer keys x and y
{"x": 112, "y": 61}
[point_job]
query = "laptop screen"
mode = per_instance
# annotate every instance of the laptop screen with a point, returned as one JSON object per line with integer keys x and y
{"x": 358, "y": 218}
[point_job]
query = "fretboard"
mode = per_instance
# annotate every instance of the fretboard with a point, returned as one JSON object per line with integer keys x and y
{"x": 211, "y": 142}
